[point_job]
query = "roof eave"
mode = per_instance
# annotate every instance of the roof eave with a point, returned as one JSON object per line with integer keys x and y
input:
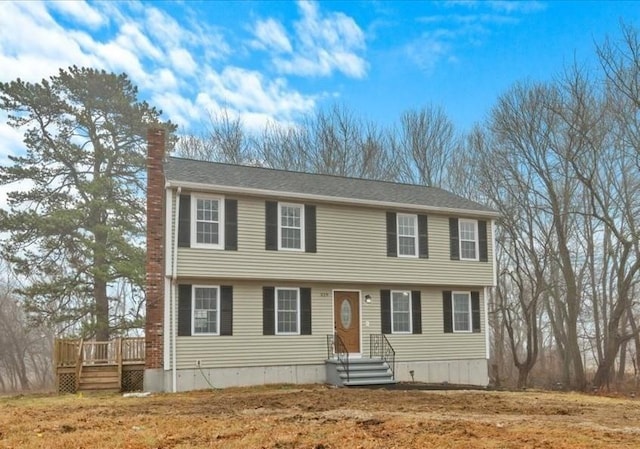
{"x": 202, "y": 187}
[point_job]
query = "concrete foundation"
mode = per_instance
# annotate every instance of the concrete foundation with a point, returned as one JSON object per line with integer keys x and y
{"x": 463, "y": 372}
{"x": 205, "y": 378}
{"x": 154, "y": 380}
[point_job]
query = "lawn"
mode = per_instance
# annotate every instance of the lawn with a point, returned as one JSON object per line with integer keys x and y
{"x": 319, "y": 417}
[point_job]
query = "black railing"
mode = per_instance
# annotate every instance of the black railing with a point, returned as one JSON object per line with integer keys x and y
{"x": 336, "y": 348}
{"x": 379, "y": 347}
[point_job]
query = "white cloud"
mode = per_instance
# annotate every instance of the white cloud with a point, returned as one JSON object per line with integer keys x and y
{"x": 428, "y": 51}
{"x": 323, "y": 43}
{"x": 178, "y": 62}
{"x": 246, "y": 90}
{"x": 182, "y": 61}
{"x": 469, "y": 23}
{"x": 80, "y": 11}
{"x": 271, "y": 35}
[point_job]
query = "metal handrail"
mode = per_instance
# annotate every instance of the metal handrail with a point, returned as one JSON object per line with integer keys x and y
{"x": 380, "y": 347}
{"x": 337, "y": 348}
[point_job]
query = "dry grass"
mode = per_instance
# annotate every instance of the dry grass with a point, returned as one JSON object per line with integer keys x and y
{"x": 321, "y": 418}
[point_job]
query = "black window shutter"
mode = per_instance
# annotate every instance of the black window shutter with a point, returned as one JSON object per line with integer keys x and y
{"x": 184, "y": 310}
{"x": 226, "y": 310}
{"x": 271, "y": 225}
{"x": 385, "y": 311}
{"x": 453, "y": 237}
{"x": 392, "y": 240}
{"x": 416, "y": 312}
{"x": 475, "y": 311}
{"x": 482, "y": 240}
{"x": 184, "y": 222}
{"x": 231, "y": 225}
{"x": 423, "y": 237}
{"x": 305, "y": 311}
{"x": 447, "y": 312}
{"x": 268, "y": 311}
{"x": 310, "y": 228}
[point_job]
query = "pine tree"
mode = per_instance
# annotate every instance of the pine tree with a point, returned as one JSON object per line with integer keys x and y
{"x": 75, "y": 223}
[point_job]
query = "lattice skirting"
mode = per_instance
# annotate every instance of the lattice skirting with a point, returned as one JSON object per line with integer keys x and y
{"x": 133, "y": 380}
{"x": 66, "y": 382}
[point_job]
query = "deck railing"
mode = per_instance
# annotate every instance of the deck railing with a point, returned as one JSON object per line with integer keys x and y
{"x": 80, "y": 352}
{"x": 65, "y": 352}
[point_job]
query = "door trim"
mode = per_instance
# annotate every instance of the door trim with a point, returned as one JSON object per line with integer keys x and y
{"x": 356, "y": 355}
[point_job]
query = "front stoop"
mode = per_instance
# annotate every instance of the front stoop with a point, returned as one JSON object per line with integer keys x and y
{"x": 362, "y": 372}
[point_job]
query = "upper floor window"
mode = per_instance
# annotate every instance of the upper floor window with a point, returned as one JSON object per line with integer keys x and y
{"x": 407, "y": 235}
{"x": 207, "y": 221}
{"x": 401, "y": 312}
{"x": 206, "y": 310}
{"x": 468, "y": 239}
{"x": 291, "y": 226}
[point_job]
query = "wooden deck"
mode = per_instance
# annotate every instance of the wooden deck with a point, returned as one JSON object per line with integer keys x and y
{"x": 115, "y": 365}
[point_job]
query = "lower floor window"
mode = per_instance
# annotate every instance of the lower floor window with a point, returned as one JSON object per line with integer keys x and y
{"x": 461, "y": 312}
{"x": 205, "y": 310}
{"x": 287, "y": 310}
{"x": 401, "y": 312}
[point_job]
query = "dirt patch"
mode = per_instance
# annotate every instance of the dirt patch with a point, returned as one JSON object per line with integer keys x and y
{"x": 322, "y": 418}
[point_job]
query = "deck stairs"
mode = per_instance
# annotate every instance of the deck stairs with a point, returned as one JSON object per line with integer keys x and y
{"x": 102, "y": 378}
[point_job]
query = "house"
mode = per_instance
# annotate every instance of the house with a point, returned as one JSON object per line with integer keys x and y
{"x": 257, "y": 275}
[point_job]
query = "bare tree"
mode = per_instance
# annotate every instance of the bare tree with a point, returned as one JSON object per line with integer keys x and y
{"x": 425, "y": 142}
{"x": 604, "y": 165}
{"x": 224, "y": 139}
{"x": 25, "y": 352}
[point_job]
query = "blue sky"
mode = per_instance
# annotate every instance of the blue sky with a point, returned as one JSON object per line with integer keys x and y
{"x": 277, "y": 60}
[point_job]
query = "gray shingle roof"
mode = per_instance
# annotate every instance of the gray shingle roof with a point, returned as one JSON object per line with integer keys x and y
{"x": 179, "y": 171}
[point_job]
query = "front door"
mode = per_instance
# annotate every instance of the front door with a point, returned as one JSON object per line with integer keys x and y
{"x": 346, "y": 317}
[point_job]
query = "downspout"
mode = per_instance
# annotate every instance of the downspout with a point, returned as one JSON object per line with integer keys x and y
{"x": 174, "y": 281}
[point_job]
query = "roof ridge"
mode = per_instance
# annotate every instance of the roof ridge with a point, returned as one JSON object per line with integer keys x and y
{"x": 186, "y": 170}
{"x": 272, "y": 169}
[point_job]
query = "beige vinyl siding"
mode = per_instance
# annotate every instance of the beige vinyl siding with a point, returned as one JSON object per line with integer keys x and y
{"x": 248, "y": 347}
{"x": 351, "y": 247}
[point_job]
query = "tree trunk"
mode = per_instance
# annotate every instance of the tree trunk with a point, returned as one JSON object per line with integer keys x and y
{"x": 523, "y": 375}
{"x": 623, "y": 363}
{"x": 102, "y": 311}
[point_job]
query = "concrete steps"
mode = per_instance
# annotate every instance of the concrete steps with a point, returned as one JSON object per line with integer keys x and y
{"x": 364, "y": 372}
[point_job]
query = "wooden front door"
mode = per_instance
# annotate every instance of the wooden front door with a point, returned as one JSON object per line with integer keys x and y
{"x": 346, "y": 318}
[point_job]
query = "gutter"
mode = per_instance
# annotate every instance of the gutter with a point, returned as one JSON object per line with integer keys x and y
{"x": 202, "y": 187}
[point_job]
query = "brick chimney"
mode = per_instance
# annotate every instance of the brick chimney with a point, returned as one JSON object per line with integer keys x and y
{"x": 155, "y": 249}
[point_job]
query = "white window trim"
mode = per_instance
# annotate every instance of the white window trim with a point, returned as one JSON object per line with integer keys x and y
{"x": 415, "y": 236}
{"x": 453, "y": 313}
{"x": 410, "y": 331}
{"x": 475, "y": 225}
{"x": 302, "y": 236}
{"x": 193, "y": 310}
{"x": 297, "y": 332}
{"x": 194, "y": 215}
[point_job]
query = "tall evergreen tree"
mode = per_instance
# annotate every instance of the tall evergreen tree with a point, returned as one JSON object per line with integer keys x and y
{"x": 75, "y": 222}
